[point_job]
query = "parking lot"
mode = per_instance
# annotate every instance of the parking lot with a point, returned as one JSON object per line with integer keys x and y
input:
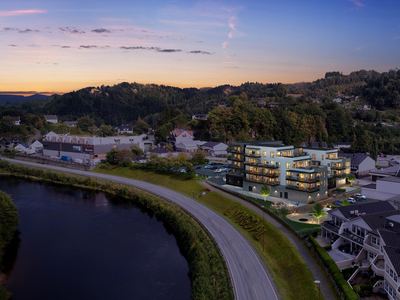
{"x": 216, "y": 177}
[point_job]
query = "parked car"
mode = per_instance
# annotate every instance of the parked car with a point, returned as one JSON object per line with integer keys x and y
{"x": 359, "y": 197}
{"x": 197, "y": 167}
{"x": 337, "y": 202}
{"x": 226, "y": 166}
{"x": 207, "y": 166}
{"x": 212, "y": 163}
{"x": 213, "y": 167}
{"x": 220, "y": 170}
{"x": 351, "y": 200}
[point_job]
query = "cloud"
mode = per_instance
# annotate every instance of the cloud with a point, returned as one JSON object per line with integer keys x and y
{"x": 87, "y": 46}
{"x": 158, "y": 49}
{"x": 71, "y": 30}
{"x": 92, "y": 47}
{"x": 357, "y": 3}
{"x": 62, "y": 47}
{"x": 13, "y": 45}
{"x": 21, "y": 12}
{"x": 28, "y": 31}
{"x": 225, "y": 44}
{"x": 199, "y": 52}
{"x": 359, "y": 48}
{"x": 101, "y": 30}
{"x": 10, "y": 29}
{"x": 41, "y": 63}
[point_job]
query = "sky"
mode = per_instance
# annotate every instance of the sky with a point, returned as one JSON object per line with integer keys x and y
{"x": 49, "y": 46}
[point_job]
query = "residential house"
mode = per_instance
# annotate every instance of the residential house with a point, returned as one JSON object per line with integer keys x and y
{"x": 163, "y": 151}
{"x": 367, "y": 233}
{"x": 259, "y": 102}
{"x": 214, "y": 148}
{"x": 17, "y": 120}
{"x": 337, "y": 100}
{"x": 300, "y": 174}
{"x": 10, "y": 141}
{"x": 361, "y": 164}
{"x": 178, "y": 135}
{"x": 364, "y": 107}
{"x": 51, "y": 119}
{"x": 124, "y": 129}
{"x": 36, "y": 146}
{"x": 188, "y": 147}
{"x": 384, "y": 172}
{"x": 199, "y": 117}
{"x": 71, "y": 123}
{"x": 274, "y": 105}
{"x": 22, "y": 147}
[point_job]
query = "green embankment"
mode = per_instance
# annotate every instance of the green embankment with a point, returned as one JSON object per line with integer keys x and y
{"x": 291, "y": 275}
{"x": 9, "y": 221}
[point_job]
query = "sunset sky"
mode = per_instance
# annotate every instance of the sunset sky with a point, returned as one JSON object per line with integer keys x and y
{"x": 49, "y": 46}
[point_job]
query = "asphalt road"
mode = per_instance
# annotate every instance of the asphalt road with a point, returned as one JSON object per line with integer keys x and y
{"x": 249, "y": 277}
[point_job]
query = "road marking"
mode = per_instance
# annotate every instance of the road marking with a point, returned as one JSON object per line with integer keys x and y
{"x": 255, "y": 292}
{"x": 227, "y": 236}
{"x": 247, "y": 269}
{"x": 236, "y": 250}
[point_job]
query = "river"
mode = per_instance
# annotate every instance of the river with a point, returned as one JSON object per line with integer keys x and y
{"x": 76, "y": 244}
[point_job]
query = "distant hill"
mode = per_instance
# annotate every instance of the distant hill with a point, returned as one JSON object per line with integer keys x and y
{"x": 17, "y": 98}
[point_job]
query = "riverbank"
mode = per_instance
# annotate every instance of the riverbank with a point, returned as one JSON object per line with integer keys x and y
{"x": 205, "y": 261}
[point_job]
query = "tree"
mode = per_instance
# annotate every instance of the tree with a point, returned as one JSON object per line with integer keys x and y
{"x": 351, "y": 178}
{"x": 106, "y": 130}
{"x": 318, "y": 211}
{"x": 140, "y": 126}
{"x": 265, "y": 191}
{"x": 85, "y": 124}
{"x": 136, "y": 150}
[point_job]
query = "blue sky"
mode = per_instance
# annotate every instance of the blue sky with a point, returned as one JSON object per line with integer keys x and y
{"x": 60, "y": 46}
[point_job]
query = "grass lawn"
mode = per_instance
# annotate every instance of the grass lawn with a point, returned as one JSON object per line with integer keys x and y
{"x": 291, "y": 275}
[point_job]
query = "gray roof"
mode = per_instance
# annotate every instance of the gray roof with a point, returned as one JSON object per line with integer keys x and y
{"x": 378, "y": 220}
{"x": 356, "y": 158}
{"x": 392, "y": 248}
{"x": 210, "y": 144}
{"x": 160, "y": 150}
{"x": 315, "y": 145}
{"x": 368, "y": 208}
{"x": 324, "y": 145}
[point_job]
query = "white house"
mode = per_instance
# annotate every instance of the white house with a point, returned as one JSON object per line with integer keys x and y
{"x": 124, "y": 129}
{"x": 36, "y": 146}
{"x": 179, "y": 135}
{"x": 188, "y": 146}
{"x": 214, "y": 148}
{"x": 361, "y": 164}
{"x": 51, "y": 119}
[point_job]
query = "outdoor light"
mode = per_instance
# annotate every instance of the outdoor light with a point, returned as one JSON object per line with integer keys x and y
{"x": 319, "y": 288}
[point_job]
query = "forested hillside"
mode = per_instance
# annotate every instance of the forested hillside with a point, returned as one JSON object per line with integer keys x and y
{"x": 299, "y": 112}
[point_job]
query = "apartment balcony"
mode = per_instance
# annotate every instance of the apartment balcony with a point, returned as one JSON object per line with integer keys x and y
{"x": 253, "y": 155}
{"x": 304, "y": 179}
{"x": 329, "y": 226}
{"x": 269, "y": 166}
{"x": 263, "y": 180}
{"x": 252, "y": 163}
{"x": 378, "y": 266}
{"x": 239, "y": 158}
{"x": 352, "y": 237}
{"x": 338, "y": 167}
{"x": 302, "y": 189}
{"x": 240, "y": 167}
{"x": 371, "y": 247}
{"x": 263, "y": 173}
{"x": 241, "y": 151}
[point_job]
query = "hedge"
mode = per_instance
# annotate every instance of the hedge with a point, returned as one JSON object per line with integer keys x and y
{"x": 341, "y": 283}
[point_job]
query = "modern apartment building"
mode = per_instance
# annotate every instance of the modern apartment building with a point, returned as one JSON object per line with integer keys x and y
{"x": 296, "y": 173}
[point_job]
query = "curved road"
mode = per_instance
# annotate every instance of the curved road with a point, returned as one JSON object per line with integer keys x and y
{"x": 249, "y": 277}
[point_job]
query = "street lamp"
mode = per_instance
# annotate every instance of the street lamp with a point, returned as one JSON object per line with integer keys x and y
{"x": 262, "y": 208}
{"x": 319, "y": 288}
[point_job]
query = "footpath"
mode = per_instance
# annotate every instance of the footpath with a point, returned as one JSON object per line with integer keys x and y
{"x": 298, "y": 244}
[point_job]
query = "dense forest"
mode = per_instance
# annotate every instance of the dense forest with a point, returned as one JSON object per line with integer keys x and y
{"x": 301, "y": 112}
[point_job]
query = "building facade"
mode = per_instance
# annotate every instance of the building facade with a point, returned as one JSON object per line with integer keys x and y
{"x": 90, "y": 149}
{"x": 295, "y": 173}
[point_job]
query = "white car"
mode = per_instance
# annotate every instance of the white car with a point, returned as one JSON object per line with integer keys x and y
{"x": 220, "y": 170}
{"x": 351, "y": 200}
{"x": 359, "y": 196}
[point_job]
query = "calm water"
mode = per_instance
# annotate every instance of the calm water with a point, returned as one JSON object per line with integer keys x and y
{"x": 78, "y": 245}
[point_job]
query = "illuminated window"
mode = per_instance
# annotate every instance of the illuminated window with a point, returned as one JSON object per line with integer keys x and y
{"x": 272, "y": 154}
{"x": 265, "y": 154}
